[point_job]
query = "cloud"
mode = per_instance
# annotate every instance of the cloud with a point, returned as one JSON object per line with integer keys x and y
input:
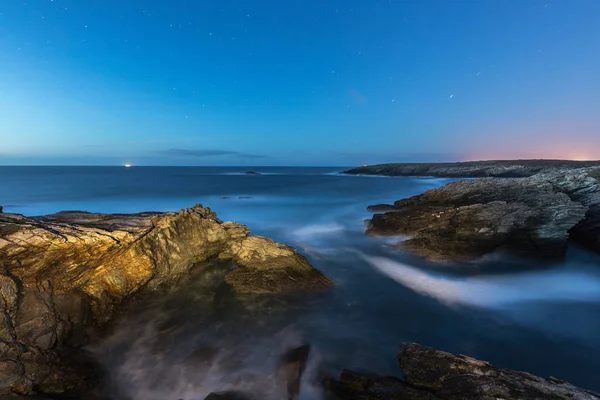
{"x": 198, "y": 153}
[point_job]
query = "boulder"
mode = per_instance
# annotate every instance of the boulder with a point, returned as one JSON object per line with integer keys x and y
{"x": 64, "y": 276}
{"x": 463, "y": 220}
{"x": 436, "y": 375}
{"x": 269, "y": 267}
{"x": 468, "y": 219}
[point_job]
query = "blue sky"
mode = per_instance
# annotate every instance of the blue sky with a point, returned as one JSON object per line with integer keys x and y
{"x": 298, "y": 82}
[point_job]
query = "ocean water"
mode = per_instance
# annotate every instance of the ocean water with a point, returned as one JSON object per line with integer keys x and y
{"x": 540, "y": 318}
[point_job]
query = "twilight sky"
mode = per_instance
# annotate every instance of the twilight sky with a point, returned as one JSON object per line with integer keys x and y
{"x": 297, "y": 82}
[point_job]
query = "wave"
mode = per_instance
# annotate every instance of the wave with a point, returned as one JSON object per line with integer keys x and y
{"x": 318, "y": 229}
{"x": 493, "y": 291}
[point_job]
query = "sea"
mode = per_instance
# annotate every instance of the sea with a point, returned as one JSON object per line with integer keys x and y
{"x": 539, "y": 317}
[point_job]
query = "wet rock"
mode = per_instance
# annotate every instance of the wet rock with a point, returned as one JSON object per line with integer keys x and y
{"x": 356, "y": 386}
{"x": 436, "y": 375}
{"x": 266, "y": 266}
{"x": 461, "y": 377}
{"x": 531, "y": 217}
{"x": 64, "y": 276}
{"x": 291, "y": 368}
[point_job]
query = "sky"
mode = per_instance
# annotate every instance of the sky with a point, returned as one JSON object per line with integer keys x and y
{"x": 297, "y": 82}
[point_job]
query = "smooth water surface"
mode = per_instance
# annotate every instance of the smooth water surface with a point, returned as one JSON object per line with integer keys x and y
{"x": 543, "y": 319}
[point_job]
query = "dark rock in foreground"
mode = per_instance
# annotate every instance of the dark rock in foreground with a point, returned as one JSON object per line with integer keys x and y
{"x": 436, "y": 375}
{"x": 64, "y": 275}
{"x": 291, "y": 368}
{"x": 473, "y": 169}
{"x": 531, "y": 217}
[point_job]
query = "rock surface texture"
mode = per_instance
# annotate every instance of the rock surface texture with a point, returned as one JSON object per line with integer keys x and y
{"x": 436, "y": 375}
{"x": 63, "y": 274}
{"x": 532, "y": 216}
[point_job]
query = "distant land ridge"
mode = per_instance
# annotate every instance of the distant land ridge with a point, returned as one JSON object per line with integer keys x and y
{"x": 472, "y": 169}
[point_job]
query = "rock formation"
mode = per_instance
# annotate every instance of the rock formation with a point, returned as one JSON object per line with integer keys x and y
{"x": 533, "y": 216}
{"x": 473, "y": 169}
{"x": 63, "y": 274}
{"x": 436, "y": 375}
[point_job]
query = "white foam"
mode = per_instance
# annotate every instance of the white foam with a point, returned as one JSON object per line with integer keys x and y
{"x": 493, "y": 291}
{"x": 318, "y": 229}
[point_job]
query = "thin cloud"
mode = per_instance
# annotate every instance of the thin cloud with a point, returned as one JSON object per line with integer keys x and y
{"x": 198, "y": 153}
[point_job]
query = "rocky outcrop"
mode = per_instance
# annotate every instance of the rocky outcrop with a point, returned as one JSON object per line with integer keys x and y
{"x": 436, "y": 375}
{"x": 62, "y": 274}
{"x": 473, "y": 169}
{"x": 532, "y": 217}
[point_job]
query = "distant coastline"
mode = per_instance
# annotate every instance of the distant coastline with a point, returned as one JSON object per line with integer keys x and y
{"x": 472, "y": 169}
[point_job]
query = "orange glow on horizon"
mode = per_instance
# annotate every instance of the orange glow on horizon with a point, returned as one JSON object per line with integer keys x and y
{"x": 539, "y": 155}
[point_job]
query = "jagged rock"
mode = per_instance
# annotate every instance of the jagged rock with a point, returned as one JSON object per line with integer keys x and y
{"x": 269, "y": 267}
{"x": 291, "y": 368}
{"x": 436, "y": 375}
{"x": 468, "y": 219}
{"x": 526, "y": 216}
{"x": 62, "y": 274}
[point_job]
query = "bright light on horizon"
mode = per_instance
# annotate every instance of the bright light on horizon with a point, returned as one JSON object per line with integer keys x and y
{"x": 127, "y": 165}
